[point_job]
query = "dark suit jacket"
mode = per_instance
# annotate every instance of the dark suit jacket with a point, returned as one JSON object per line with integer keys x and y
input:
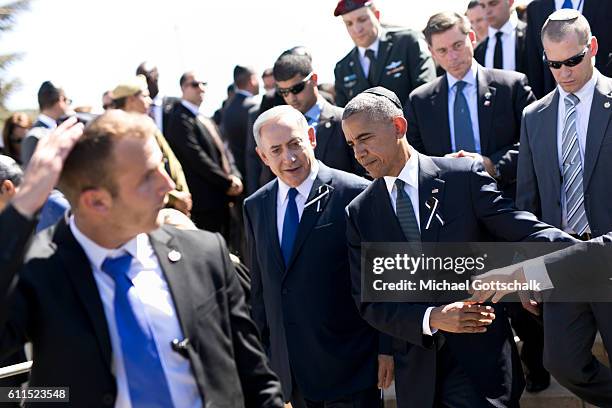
{"x": 200, "y": 158}
{"x": 473, "y": 211}
{"x": 520, "y": 51}
{"x": 502, "y": 96}
{"x": 55, "y": 304}
{"x": 402, "y": 64}
{"x": 539, "y": 180}
{"x": 305, "y": 312}
{"x": 599, "y": 15}
{"x": 30, "y": 141}
{"x": 234, "y": 124}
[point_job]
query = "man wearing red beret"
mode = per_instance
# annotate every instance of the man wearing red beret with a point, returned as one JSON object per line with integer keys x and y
{"x": 395, "y": 58}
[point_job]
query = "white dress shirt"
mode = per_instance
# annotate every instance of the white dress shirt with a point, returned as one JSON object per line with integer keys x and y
{"x": 410, "y": 176}
{"x": 583, "y": 111}
{"x": 365, "y": 61}
{"x": 470, "y": 91}
{"x": 157, "y": 111}
{"x": 48, "y": 121}
{"x": 282, "y": 197}
{"x": 159, "y": 313}
{"x": 576, "y": 4}
{"x": 508, "y": 44}
{"x": 191, "y": 107}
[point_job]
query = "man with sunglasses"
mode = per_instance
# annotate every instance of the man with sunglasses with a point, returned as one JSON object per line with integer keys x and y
{"x": 396, "y": 59}
{"x": 209, "y": 168}
{"x": 564, "y": 173}
{"x": 296, "y": 82}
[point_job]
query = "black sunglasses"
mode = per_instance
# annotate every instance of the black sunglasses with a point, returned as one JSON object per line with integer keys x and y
{"x": 295, "y": 89}
{"x": 196, "y": 84}
{"x": 570, "y": 62}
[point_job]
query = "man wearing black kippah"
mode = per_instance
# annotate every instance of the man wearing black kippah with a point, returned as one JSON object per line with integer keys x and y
{"x": 397, "y": 59}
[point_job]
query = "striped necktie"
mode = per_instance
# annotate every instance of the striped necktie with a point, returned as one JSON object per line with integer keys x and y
{"x": 572, "y": 169}
{"x": 405, "y": 213}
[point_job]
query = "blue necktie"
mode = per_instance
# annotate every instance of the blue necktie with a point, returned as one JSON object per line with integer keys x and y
{"x": 146, "y": 380}
{"x": 567, "y": 4}
{"x": 464, "y": 134}
{"x": 290, "y": 226}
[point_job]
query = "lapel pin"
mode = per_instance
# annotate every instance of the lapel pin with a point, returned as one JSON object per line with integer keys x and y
{"x": 487, "y": 103}
{"x": 351, "y": 63}
{"x": 327, "y": 125}
{"x": 174, "y": 255}
{"x": 487, "y": 95}
{"x": 434, "y": 191}
{"x": 607, "y": 105}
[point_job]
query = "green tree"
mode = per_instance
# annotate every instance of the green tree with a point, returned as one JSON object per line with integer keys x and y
{"x": 8, "y": 13}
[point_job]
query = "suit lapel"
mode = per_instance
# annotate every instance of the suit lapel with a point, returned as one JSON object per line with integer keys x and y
{"x": 546, "y": 140}
{"x": 599, "y": 119}
{"x": 384, "y": 49}
{"x": 439, "y": 106}
{"x": 486, "y": 107}
{"x": 78, "y": 268}
{"x": 270, "y": 203}
{"x": 177, "y": 278}
{"x": 355, "y": 63}
{"x": 324, "y": 131}
{"x": 383, "y": 208}
{"x": 431, "y": 188}
{"x": 312, "y": 213}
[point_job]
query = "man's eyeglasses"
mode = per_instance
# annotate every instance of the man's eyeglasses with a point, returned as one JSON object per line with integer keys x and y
{"x": 295, "y": 89}
{"x": 570, "y": 62}
{"x": 197, "y": 84}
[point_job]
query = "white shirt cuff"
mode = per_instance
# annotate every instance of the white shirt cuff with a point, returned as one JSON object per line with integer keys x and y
{"x": 426, "y": 329}
{"x": 535, "y": 270}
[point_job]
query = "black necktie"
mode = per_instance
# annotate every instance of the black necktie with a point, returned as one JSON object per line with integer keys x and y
{"x": 372, "y": 57}
{"x": 498, "y": 56}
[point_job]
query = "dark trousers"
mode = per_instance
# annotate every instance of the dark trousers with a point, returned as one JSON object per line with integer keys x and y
{"x": 531, "y": 332}
{"x": 369, "y": 398}
{"x": 569, "y": 334}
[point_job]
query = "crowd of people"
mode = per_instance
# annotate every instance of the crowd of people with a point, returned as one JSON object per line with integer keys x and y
{"x": 181, "y": 260}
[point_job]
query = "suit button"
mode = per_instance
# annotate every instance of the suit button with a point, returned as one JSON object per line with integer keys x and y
{"x": 108, "y": 399}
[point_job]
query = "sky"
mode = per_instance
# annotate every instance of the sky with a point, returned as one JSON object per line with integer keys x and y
{"x": 89, "y": 46}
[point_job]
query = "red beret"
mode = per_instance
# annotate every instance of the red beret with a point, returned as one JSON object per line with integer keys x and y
{"x": 346, "y": 6}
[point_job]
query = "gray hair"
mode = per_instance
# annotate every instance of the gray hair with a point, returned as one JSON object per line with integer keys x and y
{"x": 283, "y": 111}
{"x": 566, "y": 21}
{"x": 10, "y": 170}
{"x": 378, "y": 108}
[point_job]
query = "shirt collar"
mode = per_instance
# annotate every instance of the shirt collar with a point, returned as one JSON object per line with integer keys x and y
{"x": 243, "y": 92}
{"x": 507, "y": 28}
{"x": 469, "y": 77}
{"x": 585, "y": 92}
{"x": 409, "y": 174}
{"x": 158, "y": 100}
{"x": 304, "y": 188}
{"x": 193, "y": 108}
{"x": 373, "y": 47}
{"x": 139, "y": 247}
{"x": 48, "y": 121}
{"x": 314, "y": 112}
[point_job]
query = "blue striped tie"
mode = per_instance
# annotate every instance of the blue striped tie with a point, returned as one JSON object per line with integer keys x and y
{"x": 405, "y": 213}
{"x": 464, "y": 134}
{"x": 572, "y": 169}
{"x": 147, "y": 382}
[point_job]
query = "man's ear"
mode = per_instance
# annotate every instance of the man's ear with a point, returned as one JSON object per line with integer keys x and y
{"x": 7, "y": 188}
{"x": 472, "y": 37}
{"x": 96, "y": 200}
{"x": 315, "y": 79}
{"x": 312, "y": 137}
{"x": 401, "y": 126}
{"x": 262, "y": 156}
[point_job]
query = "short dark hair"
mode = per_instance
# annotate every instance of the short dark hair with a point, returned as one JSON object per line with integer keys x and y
{"x": 242, "y": 75}
{"x": 91, "y": 164}
{"x": 441, "y": 22}
{"x": 289, "y": 65}
{"x": 473, "y": 4}
{"x": 48, "y": 95}
{"x": 184, "y": 77}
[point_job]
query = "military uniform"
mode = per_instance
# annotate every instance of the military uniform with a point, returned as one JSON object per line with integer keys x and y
{"x": 403, "y": 63}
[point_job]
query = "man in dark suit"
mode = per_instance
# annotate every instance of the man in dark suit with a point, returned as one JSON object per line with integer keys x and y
{"x": 438, "y": 346}
{"x": 297, "y": 83}
{"x": 161, "y": 106}
{"x": 324, "y": 352}
{"x": 563, "y": 178}
{"x": 208, "y": 167}
{"x": 236, "y": 113}
{"x": 53, "y": 104}
{"x": 504, "y": 48}
{"x": 156, "y": 326}
{"x": 394, "y": 58}
{"x": 483, "y": 119}
{"x": 597, "y": 12}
